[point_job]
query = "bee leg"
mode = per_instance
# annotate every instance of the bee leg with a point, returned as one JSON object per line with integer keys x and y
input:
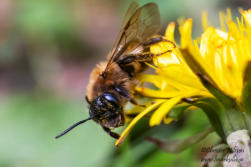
{"x": 144, "y": 56}
{"x": 139, "y": 57}
{"x": 136, "y": 103}
{"x": 88, "y": 101}
{"x": 157, "y": 39}
{"x": 122, "y": 92}
{"x": 112, "y": 134}
{"x": 131, "y": 63}
{"x": 147, "y": 56}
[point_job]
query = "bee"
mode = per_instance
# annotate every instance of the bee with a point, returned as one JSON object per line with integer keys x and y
{"x": 111, "y": 82}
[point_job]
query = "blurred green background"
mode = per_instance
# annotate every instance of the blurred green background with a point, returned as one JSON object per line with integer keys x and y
{"x": 47, "y": 51}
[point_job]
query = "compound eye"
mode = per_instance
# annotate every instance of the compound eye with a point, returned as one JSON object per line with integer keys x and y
{"x": 110, "y": 97}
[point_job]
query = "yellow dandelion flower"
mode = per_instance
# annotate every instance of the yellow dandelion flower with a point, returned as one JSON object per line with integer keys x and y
{"x": 218, "y": 55}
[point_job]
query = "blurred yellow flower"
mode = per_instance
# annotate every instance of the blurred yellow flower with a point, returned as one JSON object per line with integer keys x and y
{"x": 221, "y": 55}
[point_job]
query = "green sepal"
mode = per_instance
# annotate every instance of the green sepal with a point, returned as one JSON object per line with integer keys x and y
{"x": 246, "y": 95}
{"x": 176, "y": 146}
{"x": 215, "y": 112}
{"x": 177, "y": 111}
{"x": 246, "y": 98}
{"x": 236, "y": 118}
{"x": 227, "y": 101}
{"x": 248, "y": 120}
{"x": 232, "y": 112}
{"x": 192, "y": 63}
{"x": 247, "y": 73}
{"x": 224, "y": 120}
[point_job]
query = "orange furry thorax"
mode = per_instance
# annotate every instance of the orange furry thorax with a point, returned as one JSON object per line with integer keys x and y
{"x": 115, "y": 76}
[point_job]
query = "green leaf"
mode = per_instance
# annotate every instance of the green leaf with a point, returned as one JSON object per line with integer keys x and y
{"x": 176, "y": 146}
{"x": 177, "y": 111}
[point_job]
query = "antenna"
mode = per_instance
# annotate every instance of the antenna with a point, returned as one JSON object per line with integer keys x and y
{"x": 73, "y": 126}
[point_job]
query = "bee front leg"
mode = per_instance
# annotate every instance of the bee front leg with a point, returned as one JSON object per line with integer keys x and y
{"x": 132, "y": 63}
{"x": 87, "y": 100}
{"x": 112, "y": 134}
{"x": 136, "y": 103}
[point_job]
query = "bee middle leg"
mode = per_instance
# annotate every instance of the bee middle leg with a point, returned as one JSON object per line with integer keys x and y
{"x": 140, "y": 57}
{"x": 112, "y": 134}
{"x": 132, "y": 63}
{"x": 157, "y": 39}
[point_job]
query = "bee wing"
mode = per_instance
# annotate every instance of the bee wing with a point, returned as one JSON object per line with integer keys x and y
{"x": 130, "y": 11}
{"x": 139, "y": 24}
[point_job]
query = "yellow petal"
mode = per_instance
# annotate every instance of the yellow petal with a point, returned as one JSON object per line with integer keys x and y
{"x": 229, "y": 15}
{"x": 186, "y": 32}
{"x": 165, "y": 60}
{"x": 181, "y": 77}
{"x": 154, "y": 79}
{"x": 167, "y": 120}
{"x": 161, "y": 112}
{"x": 222, "y": 21}
{"x": 170, "y": 31}
{"x": 136, "y": 119}
{"x": 205, "y": 23}
{"x": 163, "y": 47}
{"x": 247, "y": 16}
{"x": 157, "y": 93}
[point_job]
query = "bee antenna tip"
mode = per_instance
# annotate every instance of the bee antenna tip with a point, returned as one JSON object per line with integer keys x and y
{"x": 73, "y": 126}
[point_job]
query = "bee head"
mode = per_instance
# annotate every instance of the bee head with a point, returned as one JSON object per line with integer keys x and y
{"x": 107, "y": 110}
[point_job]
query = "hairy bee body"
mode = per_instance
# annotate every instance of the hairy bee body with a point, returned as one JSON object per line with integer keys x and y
{"x": 101, "y": 82}
{"x": 111, "y": 83}
{"x": 118, "y": 82}
{"x": 107, "y": 83}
